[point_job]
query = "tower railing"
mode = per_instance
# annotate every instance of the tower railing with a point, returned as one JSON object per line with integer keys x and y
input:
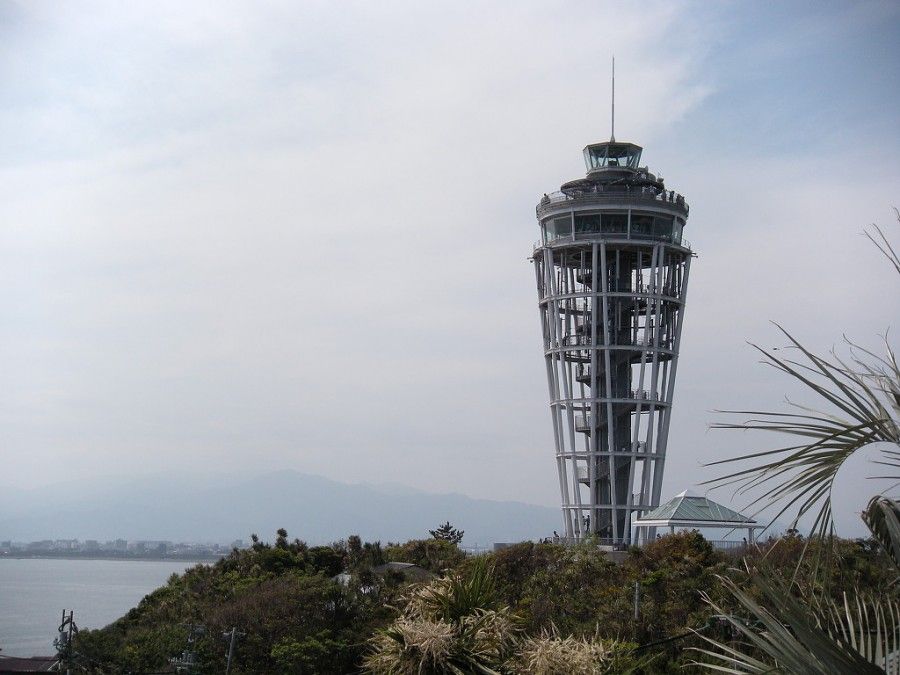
{"x": 647, "y": 196}
{"x": 641, "y": 339}
{"x": 617, "y": 236}
{"x": 582, "y": 300}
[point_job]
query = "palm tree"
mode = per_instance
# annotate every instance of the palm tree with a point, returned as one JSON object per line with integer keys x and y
{"x": 457, "y": 626}
{"x": 793, "y": 630}
{"x": 450, "y": 626}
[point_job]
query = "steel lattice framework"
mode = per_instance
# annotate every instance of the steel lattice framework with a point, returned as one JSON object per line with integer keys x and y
{"x": 612, "y": 272}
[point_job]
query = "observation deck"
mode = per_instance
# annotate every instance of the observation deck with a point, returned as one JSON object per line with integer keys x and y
{"x": 597, "y": 195}
{"x": 618, "y": 199}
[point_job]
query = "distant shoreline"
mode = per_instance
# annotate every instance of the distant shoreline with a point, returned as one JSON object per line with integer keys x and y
{"x": 112, "y": 556}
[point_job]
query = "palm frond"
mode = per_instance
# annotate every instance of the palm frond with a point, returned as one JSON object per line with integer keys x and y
{"x": 865, "y": 398}
{"x": 552, "y": 654}
{"x": 790, "y": 634}
{"x": 456, "y": 596}
{"x": 451, "y": 626}
{"x": 882, "y": 244}
{"x": 882, "y": 517}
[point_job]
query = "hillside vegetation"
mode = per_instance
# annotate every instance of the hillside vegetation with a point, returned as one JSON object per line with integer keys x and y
{"x": 538, "y": 608}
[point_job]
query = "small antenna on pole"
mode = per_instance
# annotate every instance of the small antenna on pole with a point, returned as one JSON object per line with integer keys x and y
{"x": 612, "y": 133}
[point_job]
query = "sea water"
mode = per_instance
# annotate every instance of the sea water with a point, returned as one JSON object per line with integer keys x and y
{"x": 33, "y": 593}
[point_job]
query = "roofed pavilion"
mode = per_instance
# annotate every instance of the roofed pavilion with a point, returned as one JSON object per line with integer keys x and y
{"x": 690, "y": 510}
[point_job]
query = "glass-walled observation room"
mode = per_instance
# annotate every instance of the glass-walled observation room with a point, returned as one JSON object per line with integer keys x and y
{"x": 613, "y": 224}
{"x": 605, "y": 155}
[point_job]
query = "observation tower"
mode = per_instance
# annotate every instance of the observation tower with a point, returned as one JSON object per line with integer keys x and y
{"x": 612, "y": 272}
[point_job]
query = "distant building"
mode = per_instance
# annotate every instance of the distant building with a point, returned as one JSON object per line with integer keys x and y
{"x": 153, "y": 546}
{"x": 39, "y": 546}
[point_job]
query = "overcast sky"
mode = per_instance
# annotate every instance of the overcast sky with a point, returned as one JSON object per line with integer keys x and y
{"x": 253, "y": 236}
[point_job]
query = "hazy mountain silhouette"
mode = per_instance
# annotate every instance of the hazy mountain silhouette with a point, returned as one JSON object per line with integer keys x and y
{"x": 222, "y": 508}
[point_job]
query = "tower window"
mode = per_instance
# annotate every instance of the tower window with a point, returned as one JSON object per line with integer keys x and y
{"x": 662, "y": 227}
{"x": 559, "y": 227}
{"x": 615, "y": 223}
{"x": 607, "y": 223}
{"x": 601, "y": 155}
{"x": 641, "y": 225}
{"x": 587, "y": 223}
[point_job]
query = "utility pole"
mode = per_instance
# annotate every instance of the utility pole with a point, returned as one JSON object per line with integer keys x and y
{"x": 63, "y": 643}
{"x": 187, "y": 662}
{"x": 637, "y": 601}
{"x": 232, "y": 637}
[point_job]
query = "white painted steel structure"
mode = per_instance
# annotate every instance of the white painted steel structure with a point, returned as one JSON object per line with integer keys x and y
{"x": 612, "y": 271}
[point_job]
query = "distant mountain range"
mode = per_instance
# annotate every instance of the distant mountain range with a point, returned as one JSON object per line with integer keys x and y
{"x": 224, "y": 508}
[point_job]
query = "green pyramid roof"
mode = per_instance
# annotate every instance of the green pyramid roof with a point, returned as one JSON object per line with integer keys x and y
{"x": 687, "y": 507}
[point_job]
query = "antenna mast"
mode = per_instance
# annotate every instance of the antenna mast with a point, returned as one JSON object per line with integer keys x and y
{"x": 612, "y": 133}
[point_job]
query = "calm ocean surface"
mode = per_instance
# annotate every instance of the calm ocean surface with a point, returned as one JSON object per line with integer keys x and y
{"x": 34, "y": 592}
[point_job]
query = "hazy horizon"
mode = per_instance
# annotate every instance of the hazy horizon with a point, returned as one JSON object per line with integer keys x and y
{"x": 220, "y": 508}
{"x": 250, "y": 238}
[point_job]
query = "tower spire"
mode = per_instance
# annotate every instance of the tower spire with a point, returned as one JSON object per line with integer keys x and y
{"x": 612, "y": 133}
